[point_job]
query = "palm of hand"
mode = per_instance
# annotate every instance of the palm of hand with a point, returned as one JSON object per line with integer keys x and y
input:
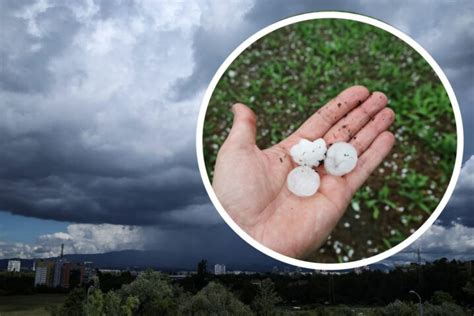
{"x": 251, "y": 183}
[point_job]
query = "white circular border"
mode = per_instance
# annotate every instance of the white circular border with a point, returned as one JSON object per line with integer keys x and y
{"x": 344, "y": 16}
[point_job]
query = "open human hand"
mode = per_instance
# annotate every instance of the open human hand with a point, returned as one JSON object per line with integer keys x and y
{"x": 250, "y": 183}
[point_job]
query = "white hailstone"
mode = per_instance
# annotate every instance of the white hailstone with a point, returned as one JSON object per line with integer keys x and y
{"x": 341, "y": 158}
{"x": 307, "y": 153}
{"x": 232, "y": 73}
{"x": 355, "y": 206}
{"x": 350, "y": 253}
{"x": 303, "y": 181}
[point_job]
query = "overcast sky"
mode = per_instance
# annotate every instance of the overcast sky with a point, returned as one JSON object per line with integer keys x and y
{"x": 99, "y": 102}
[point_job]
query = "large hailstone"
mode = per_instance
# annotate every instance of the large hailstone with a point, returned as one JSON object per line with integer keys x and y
{"x": 303, "y": 181}
{"x": 341, "y": 158}
{"x": 307, "y": 153}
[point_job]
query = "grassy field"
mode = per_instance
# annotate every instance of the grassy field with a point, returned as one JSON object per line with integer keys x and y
{"x": 26, "y": 305}
{"x": 289, "y": 74}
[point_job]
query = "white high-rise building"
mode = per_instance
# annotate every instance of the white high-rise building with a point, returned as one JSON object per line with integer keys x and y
{"x": 14, "y": 265}
{"x": 41, "y": 276}
{"x": 219, "y": 269}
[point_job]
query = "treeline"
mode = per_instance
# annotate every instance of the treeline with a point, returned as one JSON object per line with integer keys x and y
{"x": 17, "y": 283}
{"x": 153, "y": 293}
{"x": 367, "y": 288}
{"x": 381, "y": 288}
{"x": 23, "y": 283}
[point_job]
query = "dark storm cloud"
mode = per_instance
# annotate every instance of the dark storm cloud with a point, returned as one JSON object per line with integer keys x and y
{"x": 459, "y": 208}
{"x": 87, "y": 133}
{"x": 112, "y": 196}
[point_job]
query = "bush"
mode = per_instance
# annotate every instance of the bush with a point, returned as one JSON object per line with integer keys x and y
{"x": 154, "y": 292}
{"x": 266, "y": 299}
{"x": 445, "y": 309}
{"x": 399, "y": 308}
{"x": 73, "y": 306}
{"x": 440, "y": 297}
{"x": 215, "y": 299}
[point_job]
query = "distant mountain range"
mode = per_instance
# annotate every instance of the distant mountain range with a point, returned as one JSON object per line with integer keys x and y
{"x": 168, "y": 261}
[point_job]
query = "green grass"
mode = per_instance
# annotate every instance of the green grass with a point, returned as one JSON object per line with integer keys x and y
{"x": 290, "y": 73}
{"x": 26, "y": 305}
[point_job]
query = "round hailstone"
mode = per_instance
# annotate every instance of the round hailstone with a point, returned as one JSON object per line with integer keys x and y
{"x": 303, "y": 181}
{"x": 307, "y": 153}
{"x": 341, "y": 159}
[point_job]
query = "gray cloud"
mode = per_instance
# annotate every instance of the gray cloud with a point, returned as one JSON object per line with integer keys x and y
{"x": 459, "y": 208}
{"x": 453, "y": 242}
{"x": 222, "y": 28}
{"x": 28, "y": 47}
{"x": 87, "y": 132}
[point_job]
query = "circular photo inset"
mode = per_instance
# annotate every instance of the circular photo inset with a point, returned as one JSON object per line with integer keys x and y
{"x": 329, "y": 140}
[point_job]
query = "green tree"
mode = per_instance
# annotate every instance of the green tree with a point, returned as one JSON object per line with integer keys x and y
{"x": 154, "y": 292}
{"x": 73, "y": 306}
{"x": 444, "y": 309}
{"x": 440, "y": 297}
{"x": 266, "y": 299}
{"x": 112, "y": 304}
{"x": 399, "y": 308}
{"x": 468, "y": 288}
{"x": 131, "y": 304}
{"x": 214, "y": 299}
{"x": 94, "y": 304}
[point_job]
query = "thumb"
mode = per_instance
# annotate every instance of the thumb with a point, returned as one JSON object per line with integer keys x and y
{"x": 244, "y": 128}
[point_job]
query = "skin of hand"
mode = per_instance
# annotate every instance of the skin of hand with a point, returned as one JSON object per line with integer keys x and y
{"x": 250, "y": 183}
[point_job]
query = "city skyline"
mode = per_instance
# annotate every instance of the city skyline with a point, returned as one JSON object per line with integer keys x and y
{"x": 83, "y": 163}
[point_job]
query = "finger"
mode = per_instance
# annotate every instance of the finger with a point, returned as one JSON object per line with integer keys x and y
{"x": 244, "y": 128}
{"x": 349, "y": 125}
{"x": 370, "y": 159}
{"x": 381, "y": 121}
{"x": 321, "y": 121}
